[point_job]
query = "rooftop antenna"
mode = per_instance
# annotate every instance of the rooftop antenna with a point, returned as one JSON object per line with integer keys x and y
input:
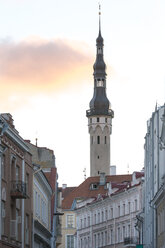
{"x": 84, "y": 173}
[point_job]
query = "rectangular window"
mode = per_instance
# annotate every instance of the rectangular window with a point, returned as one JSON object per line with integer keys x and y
{"x": 17, "y": 173}
{"x": 91, "y": 140}
{"x": 135, "y": 204}
{"x": 118, "y": 211}
{"x": 27, "y": 183}
{"x": 70, "y": 241}
{"x": 3, "y": 167}
{"x": 98, "y": 140}
{"x": 129, "y": 207}
{"x": 70, "y": 221}
{"x": 123, "y": 209}
{"x": 111, "y": 236}
{"x": 105, "y": 140}
{"x": 111, "y": 212}
{"x": 98, "y": 119}
{"x": 3, "y": 215}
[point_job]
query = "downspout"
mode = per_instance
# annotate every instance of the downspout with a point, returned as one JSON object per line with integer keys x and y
{"x": 23, "y": 205}
{"x": 54, "y": 227}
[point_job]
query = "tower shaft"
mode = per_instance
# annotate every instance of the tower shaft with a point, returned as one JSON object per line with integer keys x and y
{"x": 99, "y": 116}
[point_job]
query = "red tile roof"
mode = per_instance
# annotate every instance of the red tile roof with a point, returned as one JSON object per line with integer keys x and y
{"x": 84, "y": 189}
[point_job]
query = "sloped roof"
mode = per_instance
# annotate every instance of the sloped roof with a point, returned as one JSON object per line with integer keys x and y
{"x": 84, "y": 189}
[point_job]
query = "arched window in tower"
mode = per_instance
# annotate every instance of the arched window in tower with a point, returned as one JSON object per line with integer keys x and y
{"x": 98, "y": 140}
{"x": 99, "y": 50}
{"x": 91, "y": 140}
{"x": 100, "y": 82}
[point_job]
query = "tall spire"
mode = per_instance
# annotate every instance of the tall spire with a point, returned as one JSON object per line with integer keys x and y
{"x": 99, "y": 18}
{"x": 99, "y": 104}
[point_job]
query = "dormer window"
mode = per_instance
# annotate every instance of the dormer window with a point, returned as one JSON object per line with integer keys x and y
{"x": 94, "y": 186}
{"x": 100, "y": 82}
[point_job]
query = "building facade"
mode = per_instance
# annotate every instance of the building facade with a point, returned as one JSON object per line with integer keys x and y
{"x": 16, "y": 173}
{"x": 99, "y": 116}
{"x": 110, "y": 220}
{"x": 44, "y": 159}
{"x": 42, "y": 194}
{"x": 154, "y": 187}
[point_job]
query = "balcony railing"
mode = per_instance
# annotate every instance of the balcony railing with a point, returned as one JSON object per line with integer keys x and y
{"x": 18, "y": 190}
{"x": 131, "y": 241}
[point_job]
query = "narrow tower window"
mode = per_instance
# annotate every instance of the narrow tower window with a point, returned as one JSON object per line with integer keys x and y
{"x": 90, "y": 120}
{"x": 106, "y": 120}
{"x": 98, "y": 140}
{"x": 91, "y": 140}
{"x": 105, "y": 139}
{"x": 98, "y": 119}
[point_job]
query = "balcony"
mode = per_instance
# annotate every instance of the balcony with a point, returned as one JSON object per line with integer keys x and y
{"x": 18, "y": 190}
{"x": 131, "y": 241}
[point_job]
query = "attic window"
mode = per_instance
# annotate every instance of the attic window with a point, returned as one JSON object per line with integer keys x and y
{"x": 94, "y": 186}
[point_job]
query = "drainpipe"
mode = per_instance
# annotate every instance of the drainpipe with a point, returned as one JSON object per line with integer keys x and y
{"x": 23, "y": 205}
{"x": 54, "y": 227}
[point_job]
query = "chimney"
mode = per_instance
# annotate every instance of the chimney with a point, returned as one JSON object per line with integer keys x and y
{"x": 64, "y": 186}
{"x": 102, "y": 178}
{"x": 113, "y": 170}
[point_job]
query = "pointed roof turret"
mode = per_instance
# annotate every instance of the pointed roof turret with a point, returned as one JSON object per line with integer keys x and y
{"x": 99, "y": 105}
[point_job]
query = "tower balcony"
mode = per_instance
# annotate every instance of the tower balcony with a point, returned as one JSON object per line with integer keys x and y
{"x": 92, "y": 112}
{"x": 18, "y": 190}
{"x": 131, "y": 242}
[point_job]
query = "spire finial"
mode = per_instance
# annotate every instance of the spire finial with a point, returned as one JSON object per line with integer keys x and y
{"x": 99, "y": 17}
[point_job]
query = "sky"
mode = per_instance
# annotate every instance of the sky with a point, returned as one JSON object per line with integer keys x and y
{"x": 47, "y": 52}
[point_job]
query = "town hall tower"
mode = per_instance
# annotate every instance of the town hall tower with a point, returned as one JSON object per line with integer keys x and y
{"x": 99, "y": 115}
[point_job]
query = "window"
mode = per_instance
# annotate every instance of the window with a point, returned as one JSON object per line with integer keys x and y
{"x": 135, "y": 204}
{"x": 106, "y": 214}
{"x": 100, "y": 83}
{"x": 105, "y": 140}
{"x": 118, "y": 234}
{"x": 98, "y": 119}
{"x": 124, "y": 232}
{"x": 90, "y": 120}
{"x": 17, "y": 173}
{"x": 3, "y": 167}
{"x": 111, "y": 236}
{"x": 91, "y": 140}
{"x": 27, "y": 183}
{"x": 105, "y": 120}
{"x": 123, "y": 209}
{"x": 129, "y": 207}
{"x": 98, "y": 236}
{"x": 98, "y": 140}
{"x": 88, "y": 220}
{"x": 70, "y": 221}
{"x": 102, "y": 216}
{"x": 95, "y": 244}
{"x": 70, "y": 241}
{"x": 111, "y": 212}
{"x": 118, "y": 211}
{"x": 129, "y": 229}
{"x": 3, "y": 214}
{"x": 27, "y": 229}
{"x": 95, "y": 219}
{"x": 105, "y": 237}
{"x": 99, "y": 217}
